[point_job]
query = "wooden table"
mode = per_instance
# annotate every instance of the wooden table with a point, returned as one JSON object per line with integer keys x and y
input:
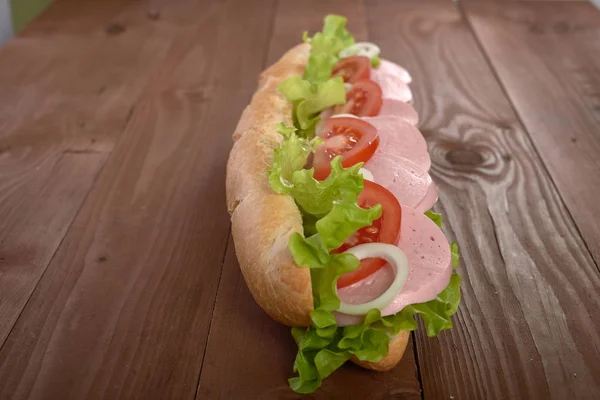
{"x": 117, "y": 275}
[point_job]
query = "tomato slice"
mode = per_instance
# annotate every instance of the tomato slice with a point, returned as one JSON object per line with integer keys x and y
{"x": 384, "y": 230}
{"x": 353, "y": 68}
{"x": 352, "y": 138}
{"x": 364, "y": 99}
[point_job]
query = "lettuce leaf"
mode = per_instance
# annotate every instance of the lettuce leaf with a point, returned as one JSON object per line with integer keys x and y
{"x": 317, "y": 197}
{"x": 436, "y": 313}
{"x": 319, "y": 67}
{"x": 308, "y": 99}
{"x": 289, "y": 157}
{"x": 317, "y": 91}
{"x": 324, "y": 281}
{"x": 334, "y": 26}
{"x": 454, "y": 254}
{"x": 345, "y": 218}
{"x": 435, "y": 217}
{"x": 325, "y": 47}
{"x": 325, "y": 94}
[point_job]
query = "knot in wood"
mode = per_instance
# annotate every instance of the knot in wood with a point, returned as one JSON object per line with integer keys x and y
{"x": 153, "y": 15}
{"x": 115, "y": 29}
{"x": 465, "y": 157}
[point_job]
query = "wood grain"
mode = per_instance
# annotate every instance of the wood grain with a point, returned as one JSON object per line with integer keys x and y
{"x": 68, "y": 88}
{"x": 124, "y": 308}
{"x": 242, "y": 335}
{"x": 559, "y": 103}
{"x": 528, "y": 323}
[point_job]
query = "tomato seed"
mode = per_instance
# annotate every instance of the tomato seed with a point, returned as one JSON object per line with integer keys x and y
{"x": 372, "y": 230}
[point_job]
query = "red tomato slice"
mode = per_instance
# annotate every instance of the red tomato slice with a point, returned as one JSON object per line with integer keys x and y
{"x": 351, "y": 69}
{"x": 384, "y": 230}
{"x": 364, "y": 99}
{"x": 352, "y": 138}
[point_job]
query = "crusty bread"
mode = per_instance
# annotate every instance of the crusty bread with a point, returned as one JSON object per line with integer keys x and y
{"x": 395, "y": 353}
{"x": 262, "y": 221}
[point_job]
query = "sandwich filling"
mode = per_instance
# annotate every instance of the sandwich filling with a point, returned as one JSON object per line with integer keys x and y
{"x": 357, "y": 168}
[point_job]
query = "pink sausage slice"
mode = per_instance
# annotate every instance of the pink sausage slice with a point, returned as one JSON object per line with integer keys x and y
{"x": 400, "y": 138}
{"x": 393, "y": 81}
{"x": 399, "y": 109}
{"x": 429, "y": 269}
{"x": 431, "y": 197}
{"x": 390, "y": 68}
{"x": 409, "y": 183}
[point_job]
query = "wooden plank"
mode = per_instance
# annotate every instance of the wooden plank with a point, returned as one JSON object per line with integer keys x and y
{"x": 248, "y": 354}
{"x": 66, "y": 17}
{"x": 547, "y": 56}
{"x": 527, "y": 327}
{"x": 124, "y": 308}
{"x": 66, "y": 96}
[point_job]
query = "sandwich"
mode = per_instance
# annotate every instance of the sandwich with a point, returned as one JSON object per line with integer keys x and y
{"x": 330, "y": 198}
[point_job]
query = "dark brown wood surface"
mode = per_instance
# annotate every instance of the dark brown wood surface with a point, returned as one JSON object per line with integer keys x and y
{"x": 56, "y": 131}
{"x": 123, "y": 310}
{"x": 117, "y": 275}
{"x": 559, "y": 104}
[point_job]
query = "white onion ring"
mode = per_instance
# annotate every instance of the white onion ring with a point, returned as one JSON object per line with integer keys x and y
{"x": 368, "y": 49}
{"x": 367, "y": 175}
{"x": 344, "y": 115}
{"x": 396, "y": 258}
{"x": 324, "y": 115}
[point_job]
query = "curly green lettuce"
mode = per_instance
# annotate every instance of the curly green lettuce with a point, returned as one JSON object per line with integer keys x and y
{"x": 316, "y": 90}
{"x": 289, "y": 157}
{"x": 435, "y": 217}
{"x": 309, "y": 99}
{"x": 325, "y": 47}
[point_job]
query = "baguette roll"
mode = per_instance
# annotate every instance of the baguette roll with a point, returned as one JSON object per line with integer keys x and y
{"x": 263, "y": 221}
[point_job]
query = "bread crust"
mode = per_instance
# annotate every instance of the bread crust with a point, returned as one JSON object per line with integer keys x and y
{"x": 263, "y": 221}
